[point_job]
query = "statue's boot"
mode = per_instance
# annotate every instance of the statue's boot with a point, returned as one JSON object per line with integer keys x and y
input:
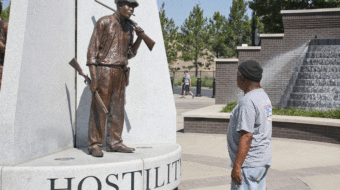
{"x": 96, "y": 151}
{"x": 119, "y": 147}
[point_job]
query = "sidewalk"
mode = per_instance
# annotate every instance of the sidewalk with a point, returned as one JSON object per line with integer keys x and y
{"x": 187, "y": 104}
{"x": 205, "y": 91}
{"x": 297, "y": 164}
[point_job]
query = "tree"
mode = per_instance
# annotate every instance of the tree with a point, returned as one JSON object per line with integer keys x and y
{"x": 270, "y": 10}
{"x": 325, "y": 3}
{"x": 257, "y": 28}
{"x": 239, "y": 26}
{"x": 217, "y": 28}
{"x": 169, "y": 30}
{"x": 194, "y": 35}
{"x": 5, "y": 12}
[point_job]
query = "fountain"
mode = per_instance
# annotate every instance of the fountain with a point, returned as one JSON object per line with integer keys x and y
{"x": 318, "y": 84}
{"x": 301, "y": 66}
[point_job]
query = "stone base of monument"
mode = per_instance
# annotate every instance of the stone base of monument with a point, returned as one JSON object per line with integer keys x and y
{"x": 149, "y": 167}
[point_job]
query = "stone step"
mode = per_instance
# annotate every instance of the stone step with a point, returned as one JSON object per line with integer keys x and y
{"x": 319, "y": 75}
{"x": 322, "y": 42}
{"x": 315, "y": 96}
{"x": 321, "y": 61}
{"x": 324, "y": 48}
{"x": 317, "y": 89}
{"x": 317, "y": 82}
{"x": 320, "y": 68}
{"x": 314, "y": 104}
{"x": 323, "y": 55}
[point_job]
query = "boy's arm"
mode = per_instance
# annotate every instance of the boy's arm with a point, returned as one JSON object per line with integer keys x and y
{"x": 135, "y": 46}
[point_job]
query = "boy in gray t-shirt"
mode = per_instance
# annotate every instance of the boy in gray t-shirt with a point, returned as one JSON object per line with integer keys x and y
{"x": 187, "y": 84}
{"x": 250, "y": 130}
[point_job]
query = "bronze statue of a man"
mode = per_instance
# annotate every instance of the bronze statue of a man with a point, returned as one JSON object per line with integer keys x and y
{"x": 110, "y": 48}
{"x": 3, "y": 39}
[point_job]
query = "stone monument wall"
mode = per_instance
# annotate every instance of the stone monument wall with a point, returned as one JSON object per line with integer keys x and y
{"x": 280, "y": 54}
{"x": 37, "y": 94}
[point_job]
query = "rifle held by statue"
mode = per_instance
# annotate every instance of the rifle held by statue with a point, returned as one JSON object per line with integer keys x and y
{"x": 74, "y": 63}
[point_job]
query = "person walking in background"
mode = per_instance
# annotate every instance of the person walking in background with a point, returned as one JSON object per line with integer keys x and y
{"x": 249, "y": 131}
{"x": 187, "y": 84}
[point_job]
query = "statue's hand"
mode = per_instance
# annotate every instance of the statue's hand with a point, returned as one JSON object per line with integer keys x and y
{"x": 139, "y": 31}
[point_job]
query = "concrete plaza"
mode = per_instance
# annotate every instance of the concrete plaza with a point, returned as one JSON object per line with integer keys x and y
{"x": 297, "y": 164}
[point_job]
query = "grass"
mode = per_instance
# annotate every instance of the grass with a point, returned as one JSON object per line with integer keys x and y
{"x": 333, "y": 114}
{"x": 230, "y": 106}
{"x": 206, "y": 82}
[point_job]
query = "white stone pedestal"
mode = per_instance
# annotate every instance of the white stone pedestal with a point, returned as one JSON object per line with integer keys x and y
{"x": 37, "y": 98}
{"x": 149, "y": 167}
{"x": 38, "y": 102}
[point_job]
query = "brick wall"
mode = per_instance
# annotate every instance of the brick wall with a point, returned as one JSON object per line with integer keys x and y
{"x": 280, "y": 56}
{"x": 205, "y": 125}
{"x": 321, "y": 133}
{"x": 225, "y": 91}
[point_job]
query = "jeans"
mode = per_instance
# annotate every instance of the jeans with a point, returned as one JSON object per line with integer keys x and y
{"x": 252, "y": 179}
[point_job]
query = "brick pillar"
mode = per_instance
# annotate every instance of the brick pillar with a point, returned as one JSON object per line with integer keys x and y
{"x": 226, "y": 87}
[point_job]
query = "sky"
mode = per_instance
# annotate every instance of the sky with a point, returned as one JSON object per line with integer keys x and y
{"x": 179, "y": 10}
{"x": 5, "y": 3}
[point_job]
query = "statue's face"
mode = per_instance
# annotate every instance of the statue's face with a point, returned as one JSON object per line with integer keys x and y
{"x": 126, "y": 9}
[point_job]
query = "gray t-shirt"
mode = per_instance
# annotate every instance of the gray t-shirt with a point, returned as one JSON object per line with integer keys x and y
{"x": 253, "y": 114}
{"x": 186, "y": 79}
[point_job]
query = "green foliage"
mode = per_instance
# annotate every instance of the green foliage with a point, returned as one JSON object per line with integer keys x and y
{"x": 325, "y": 3}
{"x": 269, "y": 10}
{"x": 259, "y": 25}
{"x": 229, "y": 107}
{"x": 5, "y": 13}
{"x": 333, "y": 114}
{"x": 169, "y": 30}
{"x": 206, "y": 82}
{"x": 239, "y": 26}
{"x": 198, "y": 36}
{"x": 227, "y": 34}
{"x": 193, "y": 37}
{"x": 218, "y": 30}
{"x": 193, "y": 81}
{"x": 178, "y": 82}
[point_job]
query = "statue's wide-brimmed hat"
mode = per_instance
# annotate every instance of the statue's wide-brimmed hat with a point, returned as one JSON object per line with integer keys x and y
{"x": 134, "y": 2}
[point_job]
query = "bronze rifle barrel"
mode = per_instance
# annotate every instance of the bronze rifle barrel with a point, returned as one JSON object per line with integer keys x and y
{"x": 108, "y": 6}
